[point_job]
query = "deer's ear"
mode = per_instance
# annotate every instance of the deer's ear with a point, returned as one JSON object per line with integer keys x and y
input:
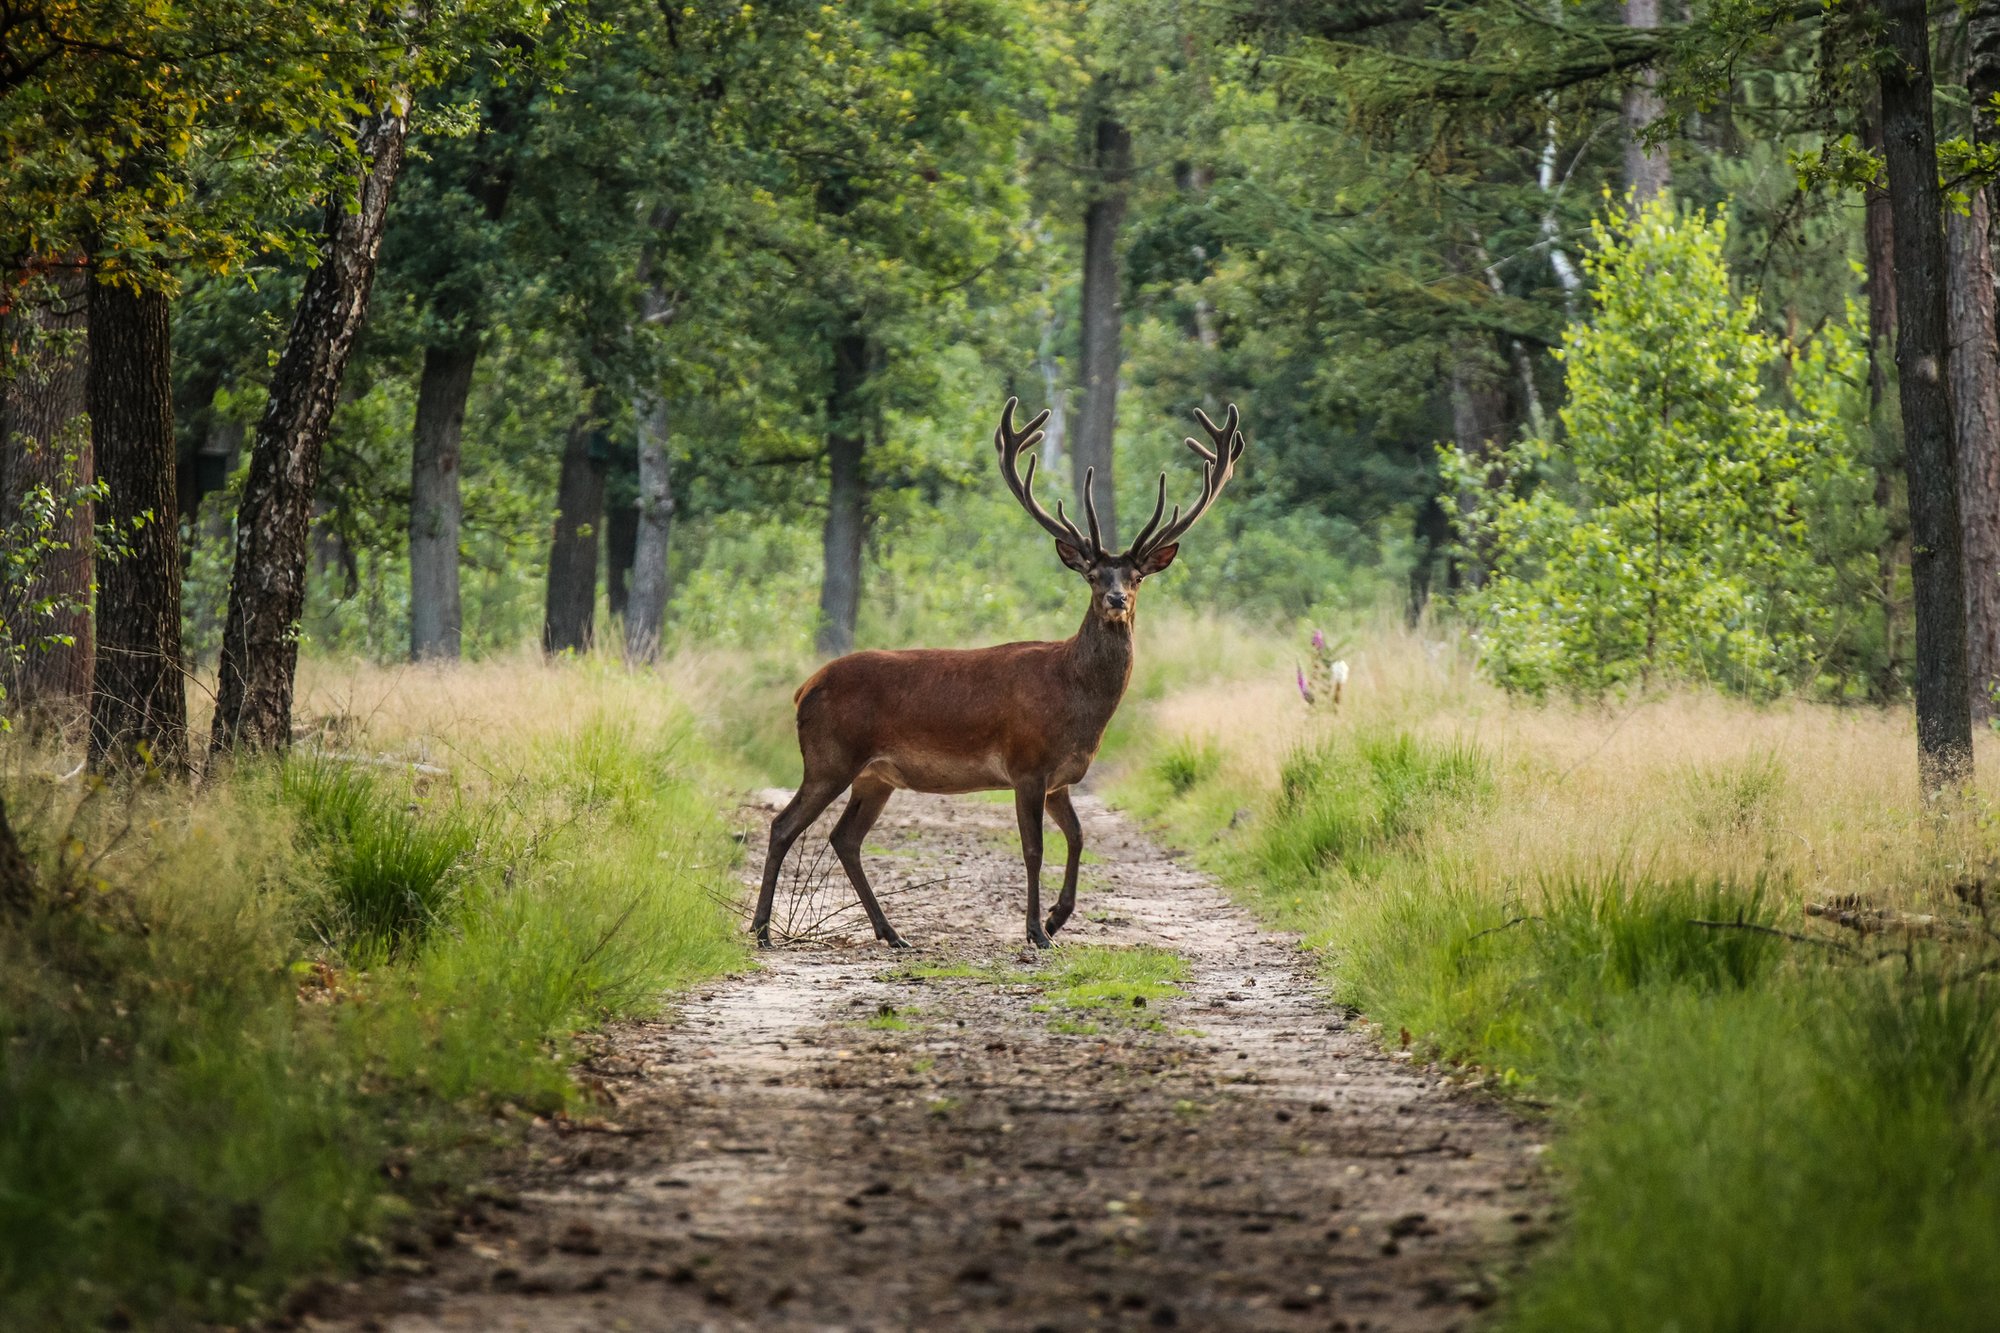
{"x": 1156, "y": 561}
{"x": 1072, "y": 557}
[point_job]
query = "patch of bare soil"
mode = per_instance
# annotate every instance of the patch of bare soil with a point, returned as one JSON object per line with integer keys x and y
{"x": 844, "y": 1138}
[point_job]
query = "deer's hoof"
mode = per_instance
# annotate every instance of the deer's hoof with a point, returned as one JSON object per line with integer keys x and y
{"x": 1055, "y": 923}
{"x": 763, "y": 939}
{"x": 1040, "y": 940}
{"x": 895, "y": 941}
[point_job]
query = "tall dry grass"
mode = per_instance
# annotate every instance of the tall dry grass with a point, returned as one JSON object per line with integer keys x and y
{"x": 1824, "y": 799}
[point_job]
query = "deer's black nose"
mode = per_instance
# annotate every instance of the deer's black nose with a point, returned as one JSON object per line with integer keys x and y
{"x": 1115, "y": 600}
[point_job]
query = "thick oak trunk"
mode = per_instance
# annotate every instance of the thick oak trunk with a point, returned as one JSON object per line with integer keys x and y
{"x": 1646, "y": 172}
{"x": 1103, "y": 320}
{"x": 138, "y": 699}
{"x": 435, "y": 505}
{"x": 569, "y": 620}
{"x": 1944, "y": 719}
{"x": 646, "y": 607}
{"x": 45, "y": 444}
{"x": 1975, "y": 386}
{"x": 267, "y": 586}
{"x": 847, "y": 495}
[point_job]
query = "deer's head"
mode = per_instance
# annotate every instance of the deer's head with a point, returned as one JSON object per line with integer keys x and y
{"x": 1114, "y": 577}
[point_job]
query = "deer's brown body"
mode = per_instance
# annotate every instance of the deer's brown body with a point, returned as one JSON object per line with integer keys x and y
{"x": 1020, "y": 717}
{"x": 982, "y": 719}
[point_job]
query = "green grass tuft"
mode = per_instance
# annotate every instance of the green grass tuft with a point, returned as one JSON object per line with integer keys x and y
{"x": 1186, "y": 763}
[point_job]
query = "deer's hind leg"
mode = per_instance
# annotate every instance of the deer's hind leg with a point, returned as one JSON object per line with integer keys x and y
{"x": 1064, "y": 813}
{"x": 864, "y": 807}
{"x": 807, "y": 804}
{"x": 1028, "y": 812}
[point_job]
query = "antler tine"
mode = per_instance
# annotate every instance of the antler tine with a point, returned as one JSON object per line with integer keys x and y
{"x": 1217, "y": 467}
{"x": 1010, "y": 442}
{"x": 1159, "y": 508}
{"x": 1090, "y": 508}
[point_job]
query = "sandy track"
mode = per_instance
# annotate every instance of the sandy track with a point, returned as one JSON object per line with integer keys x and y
{"x": 1237, "y": 1158}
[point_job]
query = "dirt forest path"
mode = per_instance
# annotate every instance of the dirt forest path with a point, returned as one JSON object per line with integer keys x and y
{"x": 854, "y": 1138}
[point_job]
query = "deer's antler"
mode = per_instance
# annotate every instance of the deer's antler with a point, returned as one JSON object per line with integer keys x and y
{"x": 1010, "y": 442}
{"x": 1217, "y": 466}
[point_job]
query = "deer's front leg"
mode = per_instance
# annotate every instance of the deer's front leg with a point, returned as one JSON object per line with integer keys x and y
{"x": 1028, "y": 811}
{"x": 1064, "y": 814}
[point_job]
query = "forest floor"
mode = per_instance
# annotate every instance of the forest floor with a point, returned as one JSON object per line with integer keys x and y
{"x": 969, "y": 1135}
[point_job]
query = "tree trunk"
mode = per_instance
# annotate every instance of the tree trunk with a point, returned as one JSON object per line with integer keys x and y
{"x": 1646, "y": 172}
{"x": 646, "y": 610}
{"x": 45, "y": 444}
{"x": 1478, "y": 424}
{"x": 18, "y": 886}
{"x": 1982, "y": 83}
{"x": 1944, "y": 720}
{"x": 1054, "y": 393}
{"x": 267, "y": 586}
{"x": 571, "y": 610}
{"x": 1975, "y": 386}
{"x": 1103, "y": 319}
{"x": 621, "y": 528}
{"x": 1880, "y": 285}
{"x": 138, "y": 700}
{"x": 847, "y": 494}
{"x": 435, "y": 507}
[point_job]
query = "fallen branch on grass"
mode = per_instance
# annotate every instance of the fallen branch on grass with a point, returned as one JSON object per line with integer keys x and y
{"x": 1792, "y": 935}
{"x": 1877, "y": 920}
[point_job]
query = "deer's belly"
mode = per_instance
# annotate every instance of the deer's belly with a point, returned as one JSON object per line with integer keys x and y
{"x": 945, "y": 774}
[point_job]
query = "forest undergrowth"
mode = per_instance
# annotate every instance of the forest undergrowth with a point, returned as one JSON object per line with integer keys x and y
{"x": 1724, "y": 946}
{"x": 252, "y": 1037}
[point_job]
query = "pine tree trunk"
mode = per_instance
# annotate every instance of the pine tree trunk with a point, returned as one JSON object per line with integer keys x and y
{"x": 646, "y": 609}
{"x": 1880, "y": 287}
{"x": 1982, "y": 83}
{"x": 568, "y": 624}
{"x": 1103, "y": 321}
{"x": 138, "y": 700}
{"x": 847, "y": 495}
{"x": 1944, "y": 720}
{"x": 435, "y": 506}
{"x": 1646, "y": 171}
{"x": 267, "y": 586}
{"x": 1975, "y": 386}
{"x": 45, "y": 443}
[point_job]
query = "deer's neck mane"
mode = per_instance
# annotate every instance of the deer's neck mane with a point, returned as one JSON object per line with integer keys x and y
{"x": 1100, "y": 659}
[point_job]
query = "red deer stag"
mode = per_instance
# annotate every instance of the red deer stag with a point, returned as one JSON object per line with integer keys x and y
{"x": 1022, "y": 717}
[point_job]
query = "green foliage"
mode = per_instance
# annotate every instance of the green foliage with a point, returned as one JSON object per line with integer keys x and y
{"x": 198, "y": 1115}
{"x": 1187, "y": 763}
{"x": 1671, "y": 531}
{"x": 391, "y": 873}
{"x": 1796, "y": 1157}
{"x": 37, "y": 535}
{"x": 1115, "y": 981}
{"x": 1750, "y": 1132}
{"x": 1356, "y": 796}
